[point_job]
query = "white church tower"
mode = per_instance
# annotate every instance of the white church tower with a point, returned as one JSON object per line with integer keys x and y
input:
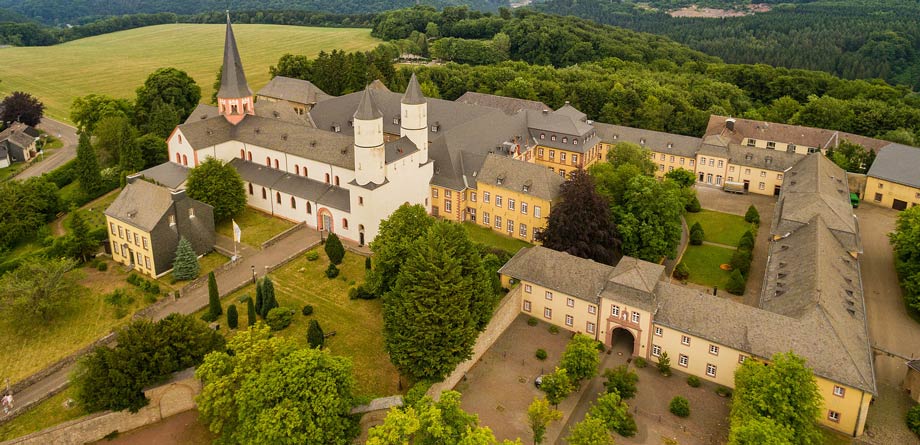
{"x": 414, "y": 120}
{"x": 369, "y": 146}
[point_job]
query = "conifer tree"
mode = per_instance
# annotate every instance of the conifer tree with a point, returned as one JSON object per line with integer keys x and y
{"x": 250, "y": 312}
{"x": 232, "y": 317}
{"x": 752, "y": 215}
{"x": 185, "y": 266}
{"x": 736, "y": 283}
{"x": 87, "y": 167}
{"x": 268, "y": 296}
{"x": 213, "y": 297}
{"x": 80, "y": 244}
{"x": 260, "y": 298}
{"x": 334, "y": 249}
{"x": 580, "y": 224}
{"x": 315, "y": 336}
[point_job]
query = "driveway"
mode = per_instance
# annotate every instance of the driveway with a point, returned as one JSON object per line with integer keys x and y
{"x": 67, "y": 135}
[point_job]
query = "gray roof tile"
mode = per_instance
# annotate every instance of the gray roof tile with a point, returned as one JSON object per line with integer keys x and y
{"x": 367, "y": 109}
{"x": 413, "y": 94}
{"x": 233, "y": 79}
{"x": 141, "y": 204}
{"x": 898, "y": 163}
{"x": 657, "y": 141}
{"x": 519, "y": 176}
{"x": 299, "y": 186}
{"x": 293, "y": 90}
{"x": 168, "y": 174}
{"x": 509, "y": 105}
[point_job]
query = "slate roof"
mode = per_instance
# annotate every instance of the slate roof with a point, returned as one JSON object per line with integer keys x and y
{"x": 168, "y": 174}
{"x": 914, "y": 364}
{"x": 141, "y": 204}
{"x": 658, "y": 141}
{"x": 509, "y": 105}
{"x": 413, "y": 94}
{"x": 19, "y": 134}
{"x": 897, "y": 163}
{"x": 634, "y": 281}
{"x": 233, "y": 79}
{"x": 558, "y": 122}
{"x": 578, "y": 277}
{"x": 296, "y": 185}
{"x": 367, "y": 109}
{"x": 293, "y": 90}
{"x": 287, "y": 137}
{"x": 761, "y": 158}
{"x": 398, "y": 149}
{"x": 516, "y": 175}
{"x": 816, "y": 186}
{"x": 795, "y": 134}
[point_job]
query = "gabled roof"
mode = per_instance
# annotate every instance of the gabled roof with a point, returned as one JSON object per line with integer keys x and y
{"x": 293, "y": 90}
{"x": 232, "y": 79}
{"x": 413, "y": 94}
{"x": 557, "y": 122}
{"x": 18, "y": 134}
{"x": 509, "y": 105}
{"x": 398, "y": 149}
{"x": 520, "y": 176}
{"x": 578, "y": 277}
{"x": 168, "y": 174}
{"x": 795, "y": 134}
{"x": 367, "y": 108}
{"x": 141, "y": 204}
{"x": 633, "y": 281}
{"x": 571, "y": 112}
{"x": 658, "y": 141}
{"x": 295, "y": 185}
{"x": 897, "y": 163}
{"x": 761, "y": 158}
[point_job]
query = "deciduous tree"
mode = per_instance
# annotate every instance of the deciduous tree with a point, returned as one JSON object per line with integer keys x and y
{"x": 613, "y": 411}
{"x": 557, "y": 386}
{"x": 906, "y": 242}
{"x": 219, "y": 185}
{"x": 590, "y": 431}
{"x": 649, "y": 218}
{"x": 580, "y": 358}
{"x": 539, "y": 416}
{"x": 113, "y": 136}
{"x": 37, "y": 289}
{"x": 683, "y": 177}
{"x": 153, "y": 149}
{"x": 166, "y": 86}
{"x": 88, "y": 110}
{"x": 622, "y": 381}
{"x": 21, "y": 107}
{"x": 629, "y": 153}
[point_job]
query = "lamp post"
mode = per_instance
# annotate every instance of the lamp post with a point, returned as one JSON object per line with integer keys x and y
{"x": 253, "y": 267}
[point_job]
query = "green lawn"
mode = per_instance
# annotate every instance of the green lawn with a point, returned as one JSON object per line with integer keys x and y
{"x": 704, "y": 262}
{"x": 117, "y": 63}
{"x": 718, "y": 227}
{"x": 94, "y": 211}
{"x": 495, "y": 239}
{"x": 257, "y": 227}
{"x": 46, "y": 414}
{"x": 206, "y": 264}
{"x": 358, "y": 324}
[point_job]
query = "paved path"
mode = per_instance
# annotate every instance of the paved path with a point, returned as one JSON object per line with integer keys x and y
{"x": 67, "y": 135}
{"x": 294, "y": 244}
{"x": 724, "y": 246}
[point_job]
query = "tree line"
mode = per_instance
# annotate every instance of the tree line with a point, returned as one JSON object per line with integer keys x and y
{"x": 851, "y": 39}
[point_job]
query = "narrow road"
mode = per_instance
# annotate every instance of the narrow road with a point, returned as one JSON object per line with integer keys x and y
{"x": 67, "y": 135}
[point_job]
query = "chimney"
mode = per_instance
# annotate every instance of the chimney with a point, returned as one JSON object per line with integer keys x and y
{"x": 130, "y": 179}
{"x": 178, "y": 195}
{"x": 730, "y": 124}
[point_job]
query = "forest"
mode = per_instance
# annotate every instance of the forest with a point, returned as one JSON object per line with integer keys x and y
{"x": 850, "y": 38}
{"x": 59, "y": 12}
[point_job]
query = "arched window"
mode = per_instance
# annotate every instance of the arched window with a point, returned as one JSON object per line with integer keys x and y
{"x": 276, "y": 164}
{"x": 296, "y": 169}
{"x": 184, "y": 160}
{"x": 178, "y": 158}
{"x": 180, "y": 138}
{"x": 336, "y": 180}
{"x": 344, "y": 223}
{"x": 278, "y": 197}
{"x": 309, "y": 208}
{"x": 305, "y": 170}
{"x": 327, "y": 178}
{"x": 268, "y": 161}
{"x": 250, "y": 188}
{"x": 293, "y": 203}
{"x": 242, "y": 154}
{"x": 264, "y": 196}
{"x": 250, "y": 156}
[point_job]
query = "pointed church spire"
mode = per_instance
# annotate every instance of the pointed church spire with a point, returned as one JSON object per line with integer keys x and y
{"x": 232, "y": 80}
{"x": 413, "y": 94}
{"x": 367, "y": 108}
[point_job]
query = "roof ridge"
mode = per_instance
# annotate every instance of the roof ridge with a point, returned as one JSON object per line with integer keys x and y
{"x": 840, "y": 341}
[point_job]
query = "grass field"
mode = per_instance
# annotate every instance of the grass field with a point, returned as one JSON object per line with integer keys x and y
{"x": 718, "y": 227}
{"x": 257, "y": 227}
{"x": 358, "y": 324}
{"x": 46, "y": 414}
{"x": 704, "y": 262}
{"x": 492, "y": 238}
{"x": 117, "y": 63}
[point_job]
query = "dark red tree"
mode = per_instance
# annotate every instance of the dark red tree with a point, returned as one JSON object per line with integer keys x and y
{"x": 580, "y": 224}
{"x": 22, "y": 107}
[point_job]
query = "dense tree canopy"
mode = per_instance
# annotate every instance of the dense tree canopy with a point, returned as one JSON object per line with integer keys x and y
{"x": 267, "y": 390}
{"x": 88, "y": 110}
{"x": 577, "y": 224}
{"x": 166, "y": 90}
{"x": 393, "y": 244}
{"x": 25, "y": 207}
{"x": 906, "y": 242}
{"x": 37, "y": 289}
{"x": 648, "y": 218}
{"x": 218, "y": 184}
{"x": 21, "y": 107}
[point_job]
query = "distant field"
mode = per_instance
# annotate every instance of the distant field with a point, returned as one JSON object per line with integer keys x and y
{"x": 116, "y": 64}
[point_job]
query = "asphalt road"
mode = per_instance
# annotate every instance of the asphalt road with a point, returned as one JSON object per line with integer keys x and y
{"x": 67, "y": 135}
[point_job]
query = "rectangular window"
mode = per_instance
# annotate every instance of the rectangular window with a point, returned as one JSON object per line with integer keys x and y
{"x": 878, "y": 197}
{"x": 448, "y": 206}
{"x": 114, "y": 247}
{"x": 485, "y": 197}
{"x": 552, "y": 154}
{"x": 498, "y": 200}
{"x": 447, "y": 194}
{"x": 713, "y": 349}
{"x": 761, "y": 186}
{"x": 485, "y": 218}
{"x": 711, "y": 161}
{"x": 592, "y": 309}
{"x": 731, "y": 168}
{"x": 779, "y": 176}
{"x": 526, "y": 306}
{"x": 615, "y": 311}
{"x": 147, "y": 261}
{"x": 434, "y": 193}
{"x": 540, "y": 152}
{"x": 662, "y": 156}
{"x": 137, "y": 239}
{"x": 710, "y": 370}
{"x": 683, "y": 360}
{"x": 498, "y": 222}
{"x": 562, "y": 172}
{"x": 528, "y": 288}
{"x": 523, "y": 207}
{"x": 671, "y": 159}
{"x": 548, "y": 313}
{"x": 771, "y": 145}
{"x": 549, "y": 295}
{"x": 692, "y": 161}
{"x": 569, "y": 320}
{"x": 833, "y": 416}
{"x": 751, "y": 143}
{"x": 681, "y": 161}
{"x": 635, "y": 317}
{"x": 473, "y": 196}
{"x": 523, "y": 231}
{"x": 658, "y": 331}
{"x": 562, "y": 156}
{"x": 720, "y": 163}
{"x": 139, "y": 258}
{"x": 121, "y": 233}
{"x": 747, "y": 171}
{"x": 656, "y": 350}
{"x": 570, "y": 302}
{"x": 536, "y": 212}
{"x": 128, "y": 235}
{"x": 741, "y": 358}
{"x": 763, "y": 174}
{"x": 839, "y": 391}
{"x": 144, "y": 239}
{"x": 574, "y": 159}
{"x": 510, "y": 204}
{"x": 112, "y": 226}
{"x": 589, "y": 328}
{"x": 510, "y": 227}
{"x": 684, "y": 340}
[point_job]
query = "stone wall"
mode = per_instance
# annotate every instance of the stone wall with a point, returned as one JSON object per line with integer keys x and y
{"x": 281, "y": 236}
{"x": 176, "y": 396}
{"x": 507, "y": 310}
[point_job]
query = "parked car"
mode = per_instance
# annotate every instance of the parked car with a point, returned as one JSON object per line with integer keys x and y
{"x": 538, "y": 381}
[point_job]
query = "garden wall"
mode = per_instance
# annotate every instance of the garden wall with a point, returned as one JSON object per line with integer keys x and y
{"x": 507, "y": 310}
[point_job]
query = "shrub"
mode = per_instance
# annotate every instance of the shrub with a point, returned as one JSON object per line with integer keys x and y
{"x": 696, "y": 234}
{"x": 640, "y": 362}
{"x": 681, "y": 272}
{"x": 752, "y": 216}
{"x": 723, "y": 391}
{"x": 680, "y": 407}
{"x": 133, "y": 279}
{"x": 622, "y": 381}
{"x": 232, "y": 317}
{"x": 307, "y": 310}
{"x": 541, "y": 354}
{"x": 367, "y": 263}
{"x": 601, "y": 347}
{"x": 694, "y": 205}
{"x": 553, "y": 329}
{"x": 334, "y": 249}
{"x": 315, "y": 336}
{"x": 664, "y": 364}
{"x": 531, "y": 321}
{"x": 913, "y": 419}
{"x": 312, "y": 255}
{"x": 747, "y": 241}
{"x": 278, "y": 318}
{"x": 208, "y": 317}
{"x": 693, "y": 381}
{"x": 102, "y": 266}
{"x": 332, "y": 271}
{"x": 416, "y": 392}
{"x": 741, "y": 260}
{"x": 736, "y": 283}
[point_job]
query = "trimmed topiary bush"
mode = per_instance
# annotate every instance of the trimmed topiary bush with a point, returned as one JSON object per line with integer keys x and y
{"x": 747, "y": 241}
{"x": 279, "y": 318}
{"x": 640, "y": 362}
{"x": 541, "y": 354}
{"x": 334, "y": 249}
{"x": 752, "y": 215}
{"x": 553, "y": 329}
{"x": 232, "y": 317}
{"x": 332, "y": 271}
{"x": 741, "y": 260}
{"x": 680, "y": 407}
{"x": 723, "y": 391}
{"x": 696, "y": 234}
{"x": 681, "y": 272}
{"x": 532, "y": 321}
{"x": 315, "y": 336}
{"x": 736, "y": 283}
{"x": 307, "y": 310}
{"x": 312, "y": 255}
{"x": 694, "y": 205}
{"x": 693, "y": 381}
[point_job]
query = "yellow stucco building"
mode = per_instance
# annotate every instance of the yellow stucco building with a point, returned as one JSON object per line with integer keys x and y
{"x": 893, "y": 180}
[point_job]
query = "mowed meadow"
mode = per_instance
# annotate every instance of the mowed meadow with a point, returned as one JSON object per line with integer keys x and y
{"x": 116, "y": 64}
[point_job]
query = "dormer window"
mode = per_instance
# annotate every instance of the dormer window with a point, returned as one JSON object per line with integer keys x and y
{"x": 565, "y": 140}
{"x": 575, "y": 141}
{"x": 670, "y": 145}
{"x": 172, "y": 220}
{"x": 191, "y": 212}
{"x": 435, "y": 127}
{"x": 542, "y": 136}
{"x": 751, "y": 142}
{"x": 336, "y": 128}
{"x": 499, "y": 180}
{"x": 769, "y": 160}
{"x": 748, "y": 157}
{"x": 616, "y": 136}
{"x": 553, "y": 138}
{"x": 395, "y": 121}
